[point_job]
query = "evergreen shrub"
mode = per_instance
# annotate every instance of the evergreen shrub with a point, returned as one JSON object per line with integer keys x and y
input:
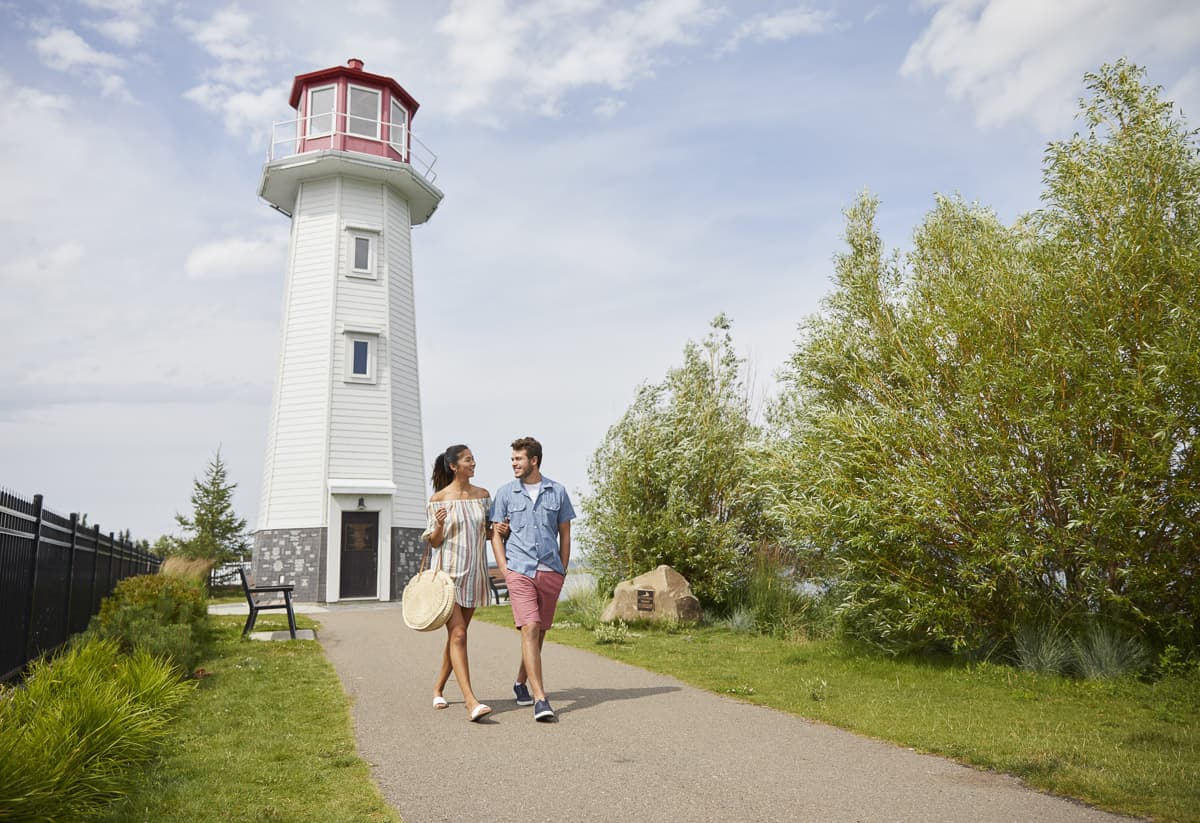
{"x": 163, "y": 615}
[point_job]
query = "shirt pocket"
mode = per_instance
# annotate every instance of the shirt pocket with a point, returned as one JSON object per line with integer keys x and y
{"x": 551, "y": 502}
{"x": 518, "y": 514}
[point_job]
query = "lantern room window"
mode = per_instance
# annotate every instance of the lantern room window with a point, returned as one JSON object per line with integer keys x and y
{"x": 398, "y": 130}
{"x": 364, "y": 112}
{"x": 320, "y": 110}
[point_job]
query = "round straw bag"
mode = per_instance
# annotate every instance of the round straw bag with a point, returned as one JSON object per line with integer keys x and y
{"x": 428, "y": 598}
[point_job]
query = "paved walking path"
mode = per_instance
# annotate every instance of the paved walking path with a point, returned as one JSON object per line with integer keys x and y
{"x": 629, "y": 745}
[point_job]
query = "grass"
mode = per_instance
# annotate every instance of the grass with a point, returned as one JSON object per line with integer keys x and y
{"x": 1123, "y": 745}
{"x": 267, "y": 736}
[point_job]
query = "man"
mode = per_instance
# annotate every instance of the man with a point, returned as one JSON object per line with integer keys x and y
{"x": 533, "y": 561}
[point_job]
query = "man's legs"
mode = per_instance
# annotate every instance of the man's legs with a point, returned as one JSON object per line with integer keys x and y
{"x": 532, "y": 637}
{"x": 521, "y": 673}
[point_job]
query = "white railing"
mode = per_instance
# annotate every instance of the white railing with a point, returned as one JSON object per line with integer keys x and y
{"x": 289, "y": 136}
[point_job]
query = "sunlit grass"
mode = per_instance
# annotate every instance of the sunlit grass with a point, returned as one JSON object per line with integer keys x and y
{"x": 267, "y": 736}
{"x": 1124, "y": 745}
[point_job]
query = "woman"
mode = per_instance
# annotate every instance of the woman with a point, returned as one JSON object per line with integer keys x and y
{"x": 458, "y": 522}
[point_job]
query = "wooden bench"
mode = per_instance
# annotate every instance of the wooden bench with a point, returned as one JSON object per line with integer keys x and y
{"x": 498, "y": 584}
{"x": 258, "y": 604}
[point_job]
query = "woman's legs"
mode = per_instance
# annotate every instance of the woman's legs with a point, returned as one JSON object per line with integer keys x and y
{"x": 454, "y": 657}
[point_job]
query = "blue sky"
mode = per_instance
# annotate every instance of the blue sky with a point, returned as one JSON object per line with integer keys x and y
{"x": 615, "y": 174}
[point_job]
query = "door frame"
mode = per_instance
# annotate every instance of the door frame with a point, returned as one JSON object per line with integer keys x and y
{"x": 343, "y": 497}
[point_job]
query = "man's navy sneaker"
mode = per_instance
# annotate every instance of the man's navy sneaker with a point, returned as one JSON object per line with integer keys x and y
{"x": 524, "y": 698}
{"x": 543, "y": 712}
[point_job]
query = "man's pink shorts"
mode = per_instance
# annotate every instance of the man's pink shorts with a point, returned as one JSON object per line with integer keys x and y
{"x": 534, "y": 601}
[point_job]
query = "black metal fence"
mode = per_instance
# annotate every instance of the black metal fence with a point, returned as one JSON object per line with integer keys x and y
{"x": 53, "y": 574}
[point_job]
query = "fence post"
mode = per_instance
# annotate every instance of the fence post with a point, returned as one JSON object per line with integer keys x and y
{"x": 112, "y": 550}
{"x": 71, "y": 569}
{"x": 33, "y": 569}
{"x": 95, "y": 567}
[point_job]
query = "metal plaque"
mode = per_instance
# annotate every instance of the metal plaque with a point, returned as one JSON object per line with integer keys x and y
{"x": 645, "y": 601}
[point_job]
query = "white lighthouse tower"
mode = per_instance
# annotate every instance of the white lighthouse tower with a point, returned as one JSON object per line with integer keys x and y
{"x": 343, "y": 486}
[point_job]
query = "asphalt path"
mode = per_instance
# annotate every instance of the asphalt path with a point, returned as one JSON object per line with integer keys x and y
{"x": 629, "y": 745}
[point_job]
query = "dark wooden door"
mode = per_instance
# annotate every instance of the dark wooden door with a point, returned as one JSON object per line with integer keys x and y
{"x": 360, "y": 554}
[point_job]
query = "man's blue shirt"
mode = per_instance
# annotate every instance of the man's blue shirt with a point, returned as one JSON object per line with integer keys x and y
{"x": 533, "y": 538}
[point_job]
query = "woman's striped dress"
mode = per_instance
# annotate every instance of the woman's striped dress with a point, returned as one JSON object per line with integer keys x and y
{"x": 462, "y": 550}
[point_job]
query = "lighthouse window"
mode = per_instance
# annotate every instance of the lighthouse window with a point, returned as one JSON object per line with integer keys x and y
{"x": 320, "y": 111}
{"x": 362, "y": 244}
{"x": 399, "y": 123}
{"x": 364, "y": 112}
{"x": 361, "y": 349}
{"x": 360, "y": 358}
{"x": 362, "y": 254}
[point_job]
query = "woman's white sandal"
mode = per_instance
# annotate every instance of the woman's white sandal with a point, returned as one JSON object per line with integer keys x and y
{"x": 482, "y": 710}
{"x": 439, "y": 702}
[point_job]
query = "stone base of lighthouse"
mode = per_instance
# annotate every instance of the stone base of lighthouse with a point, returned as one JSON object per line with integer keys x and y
{"x": 300, "y": 558}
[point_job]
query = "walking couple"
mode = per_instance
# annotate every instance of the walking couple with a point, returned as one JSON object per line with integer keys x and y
{"x": 529, "y": 525}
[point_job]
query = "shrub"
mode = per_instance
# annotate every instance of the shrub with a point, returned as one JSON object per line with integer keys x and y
{"x": 1103, "y": 653}
{"x": 740, "y": 621}
{"x": 1002, "y": 423}
{"x": 163, "y": 615}
{"x": 1045, "y": 649}
{"x": 76, "y": 736}
{"x": 611, "y": 633}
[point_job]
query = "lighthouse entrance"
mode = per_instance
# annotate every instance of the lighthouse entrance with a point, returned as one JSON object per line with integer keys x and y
{"x": 360, "y": 554}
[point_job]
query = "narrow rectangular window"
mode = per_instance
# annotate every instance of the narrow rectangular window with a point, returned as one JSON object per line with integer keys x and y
{"x": 362, "y": 254}
{"x": 398, "y": 128}
{"x": 364, "y": 112}
{"x": 362, "y": 350}
{"x": 320, "y": 111}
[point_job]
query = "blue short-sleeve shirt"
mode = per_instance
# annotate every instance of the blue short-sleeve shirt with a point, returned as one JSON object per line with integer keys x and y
{"x": 533, "y": 538}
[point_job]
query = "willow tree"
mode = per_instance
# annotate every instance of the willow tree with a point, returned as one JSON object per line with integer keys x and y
{"x": 1000, "y": 428}
{"x": 669, "y": 482}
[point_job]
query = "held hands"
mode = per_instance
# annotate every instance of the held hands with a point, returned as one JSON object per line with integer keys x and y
{"x": 501, "y": 529}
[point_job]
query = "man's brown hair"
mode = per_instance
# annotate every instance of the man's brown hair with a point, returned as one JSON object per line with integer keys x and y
{"x": 531, "y": 447}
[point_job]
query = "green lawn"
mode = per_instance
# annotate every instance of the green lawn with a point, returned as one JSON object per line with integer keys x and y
{"x": 1123, "y": 745}
{"x": 267, "y": 736}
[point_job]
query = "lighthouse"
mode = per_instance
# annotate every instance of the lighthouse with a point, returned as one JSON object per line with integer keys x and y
{"x": 343, "y": 495}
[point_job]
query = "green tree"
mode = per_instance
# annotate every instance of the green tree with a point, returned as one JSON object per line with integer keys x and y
{"x": 999, "y": 429}
{"x": 213, "y": 531}
{"x": 668, "y": 482}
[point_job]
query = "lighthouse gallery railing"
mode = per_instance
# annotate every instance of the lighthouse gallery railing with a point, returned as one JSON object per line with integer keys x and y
{"x": 288, "y": 138}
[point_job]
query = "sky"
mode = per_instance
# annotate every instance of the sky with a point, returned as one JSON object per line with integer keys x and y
{"x": 615, "y": 175}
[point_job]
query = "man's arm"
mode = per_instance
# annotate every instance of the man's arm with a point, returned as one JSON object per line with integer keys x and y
{"x": 564, "y": 543}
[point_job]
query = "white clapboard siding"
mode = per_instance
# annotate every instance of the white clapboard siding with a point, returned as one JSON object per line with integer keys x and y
{"x": 294, "y": 480}
{"x": 359, "y": 423}
{"x": 408, "y": 473}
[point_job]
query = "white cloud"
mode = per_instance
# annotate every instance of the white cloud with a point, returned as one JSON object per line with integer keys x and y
{"x": 235, "y": 87}
{"x": 64, "y": 50}
{"x": 243, "y": 112}
{"x": 129, "y": 20}
{"x": 1013, "y": 58}
{"x": 782, "y": 25}
{"x": 608, "y": 108}
{"x": 237, "y": 257}
{"x": 532, "y": 55}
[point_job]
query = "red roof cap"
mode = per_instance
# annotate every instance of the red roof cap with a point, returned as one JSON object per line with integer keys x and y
{"x": 353, "y": 70}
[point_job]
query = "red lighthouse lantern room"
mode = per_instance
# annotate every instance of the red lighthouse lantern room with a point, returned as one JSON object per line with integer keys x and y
{"x": 347, "y": 109}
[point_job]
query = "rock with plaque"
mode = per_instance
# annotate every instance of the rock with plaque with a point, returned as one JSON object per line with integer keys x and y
{"x": 662, "y": 594}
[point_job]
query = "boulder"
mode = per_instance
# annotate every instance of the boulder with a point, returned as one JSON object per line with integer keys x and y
{"x": 662, "y": 594}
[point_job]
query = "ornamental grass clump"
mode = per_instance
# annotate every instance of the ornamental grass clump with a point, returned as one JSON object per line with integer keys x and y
{"x": 79, "y": 732}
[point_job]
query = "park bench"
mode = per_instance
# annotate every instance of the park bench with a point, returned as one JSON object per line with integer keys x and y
{"x": 498, "y": 584}
{"x": 258, "y": 603}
